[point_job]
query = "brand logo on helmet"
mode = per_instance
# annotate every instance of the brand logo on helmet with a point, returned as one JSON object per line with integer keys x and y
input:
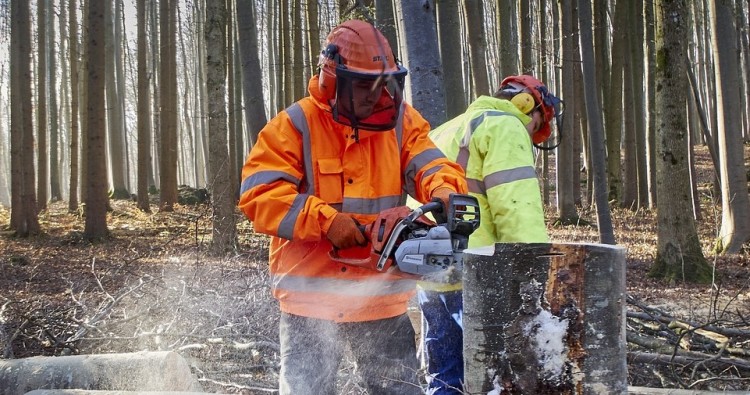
{"x": 380, "y": 58}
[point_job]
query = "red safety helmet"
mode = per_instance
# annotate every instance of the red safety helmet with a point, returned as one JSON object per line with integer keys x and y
{"x": 550, "y": 104}
{"x": 357, "y": 60}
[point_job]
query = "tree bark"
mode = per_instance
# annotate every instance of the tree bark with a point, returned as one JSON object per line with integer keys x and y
{"x": 74, "y": 148}
{"x": 477, "y": 39}
{"x": 96, "y": 187}
{"x": 54, "y": 124}
{"x": 41, "y": 110}
{"x": 418, "y": 24}
{"x": 566, "y": 208}
{"x": 23, "y": 216}
{"x": 596, "y": 129}
{"x": 679, "y": 256}
{"x": 545, "y": 319}
{"x": 222, "y": 196}
{"x": 735, "y": 204}
{"x": 508, "y": 36}
{"x": 144, "y": 111}
{"x": 168, "y": 106}
{"x": 252, "y": 87}
{"x": 449, "y": 26}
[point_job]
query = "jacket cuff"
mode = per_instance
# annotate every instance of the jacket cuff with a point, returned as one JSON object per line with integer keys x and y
{"x": 325, "y": 217}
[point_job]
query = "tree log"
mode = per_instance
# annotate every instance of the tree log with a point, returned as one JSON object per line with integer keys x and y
{"x": 102, "y": 392}
{"x": 545, "y": 319}
{"x": 142, "y": 371}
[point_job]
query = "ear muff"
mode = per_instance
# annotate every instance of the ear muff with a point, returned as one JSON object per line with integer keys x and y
{"x": 524, "y": 102}
{"x": 329, "y": 57}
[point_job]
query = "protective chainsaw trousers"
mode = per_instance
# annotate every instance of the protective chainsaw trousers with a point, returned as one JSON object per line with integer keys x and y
{"x": 442, "y": 314}
{"x": 311, "y": 350}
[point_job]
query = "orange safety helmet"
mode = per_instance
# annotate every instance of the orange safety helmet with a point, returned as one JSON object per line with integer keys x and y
{"x": 357, "y": 55}
{"x": 550, "y": 104}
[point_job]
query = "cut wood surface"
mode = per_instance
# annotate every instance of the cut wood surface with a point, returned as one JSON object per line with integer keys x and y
{"x": 141, "y": 371}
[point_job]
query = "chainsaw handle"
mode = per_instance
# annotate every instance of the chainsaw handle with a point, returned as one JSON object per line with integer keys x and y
{"x": 333, "y": 254}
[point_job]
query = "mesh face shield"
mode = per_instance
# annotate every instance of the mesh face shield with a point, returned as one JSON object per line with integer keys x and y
{"x": 368, "y": 101}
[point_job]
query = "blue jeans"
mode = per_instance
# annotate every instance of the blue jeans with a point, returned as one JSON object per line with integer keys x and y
{"x": 311, "y": 350}
{"x": 442, "y": 313}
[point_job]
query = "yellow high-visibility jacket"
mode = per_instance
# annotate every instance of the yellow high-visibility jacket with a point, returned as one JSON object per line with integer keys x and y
{"x": 491, "y": 143}
{"x": 304, "y": 168}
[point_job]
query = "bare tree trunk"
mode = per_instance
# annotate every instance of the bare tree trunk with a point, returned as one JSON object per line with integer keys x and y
{"x": 168, "y": 107}
{"x": 144, "y": 110}
{"x": 417, "y": 22}
{"x": 735, "y": 212}
{"x": 252, "y": 89}
{"x": 96, "y": 202}
{"x": 527, "y": 45}
{"x": 74, "y": 111}
{"x": 614, "y": 109}
{"x": 449, "y": 26}
{"x": 629, "y": 197}
{"x": 54, "y": 131}
{"x": 155, "y": 53}
{"x": 297, "y": 58}
{"x": 679, "y": 256}
{"x": 23, "y": 214}
{"x": 41, "y": 111}
{"x": 477, "y": 45}
{"x": 596, "y": 129}
{"x": 386, "y": 22}
{"x": 222, "y": 198}
{"x": 650, "y": 94}
{"x": 115, "y": 101}
{"x": 566, "y": 207}
{"x": 508, "y": 35}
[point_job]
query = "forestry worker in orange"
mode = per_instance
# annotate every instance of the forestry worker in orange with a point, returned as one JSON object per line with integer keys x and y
{"x": 324, "y": 165}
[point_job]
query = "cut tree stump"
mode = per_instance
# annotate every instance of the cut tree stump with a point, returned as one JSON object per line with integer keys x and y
{"x": 142, "y": 371}
{"x": 545, "y": 319}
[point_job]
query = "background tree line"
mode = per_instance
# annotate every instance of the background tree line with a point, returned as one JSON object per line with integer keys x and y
{"x": 121, "y": 98}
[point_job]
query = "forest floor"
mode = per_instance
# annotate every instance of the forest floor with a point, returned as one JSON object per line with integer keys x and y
{"x": 152, "y": 286}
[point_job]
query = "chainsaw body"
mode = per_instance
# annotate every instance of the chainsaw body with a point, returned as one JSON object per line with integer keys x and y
{"x": 406, "y": 243}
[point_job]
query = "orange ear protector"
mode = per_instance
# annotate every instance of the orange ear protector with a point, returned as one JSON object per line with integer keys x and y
{"x": 524, "y": 102}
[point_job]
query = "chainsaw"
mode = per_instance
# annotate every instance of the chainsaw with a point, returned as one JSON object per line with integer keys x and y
{"x": 407, "y": 243}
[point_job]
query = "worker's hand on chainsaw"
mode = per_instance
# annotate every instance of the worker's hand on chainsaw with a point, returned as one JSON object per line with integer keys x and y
{"x": 443, "y": 194}
{"x": 344, "y": 232}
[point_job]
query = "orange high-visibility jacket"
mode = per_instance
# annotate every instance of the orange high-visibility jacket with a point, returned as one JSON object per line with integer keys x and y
{"x": 304, "y": 168}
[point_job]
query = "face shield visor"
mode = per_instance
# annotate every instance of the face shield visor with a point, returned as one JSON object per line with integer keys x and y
{"x": 368, "y": 101}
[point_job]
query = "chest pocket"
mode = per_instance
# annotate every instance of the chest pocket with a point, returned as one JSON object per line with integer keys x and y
{"x": 330, "y": 185}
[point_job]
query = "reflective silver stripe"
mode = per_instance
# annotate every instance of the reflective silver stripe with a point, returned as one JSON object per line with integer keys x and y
{"x": 400, "y": 126}
{"x": 509, "y": 175}
{"x": 416, "y": 163}
{"x": 342, "y": 287}
{"x": 463, "y": 157}
{"x": 286, "y": 227}
{"x": 499, "y": 178}
{"x": 432, "y": 170}
{"x": 370, "y": 206}
{"x": 297, "y": 116}
{"x": 463, "y": 152}
{"x": 478, "y": 120}
{"x": 266, "y": 177}
{"x": 476, "y": 186}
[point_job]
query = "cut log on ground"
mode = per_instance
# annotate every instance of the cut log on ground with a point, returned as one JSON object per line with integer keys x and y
{"x": 142, "y": 371}
{"x": 101, "y": 392}
{"x": 545, "y": 319}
